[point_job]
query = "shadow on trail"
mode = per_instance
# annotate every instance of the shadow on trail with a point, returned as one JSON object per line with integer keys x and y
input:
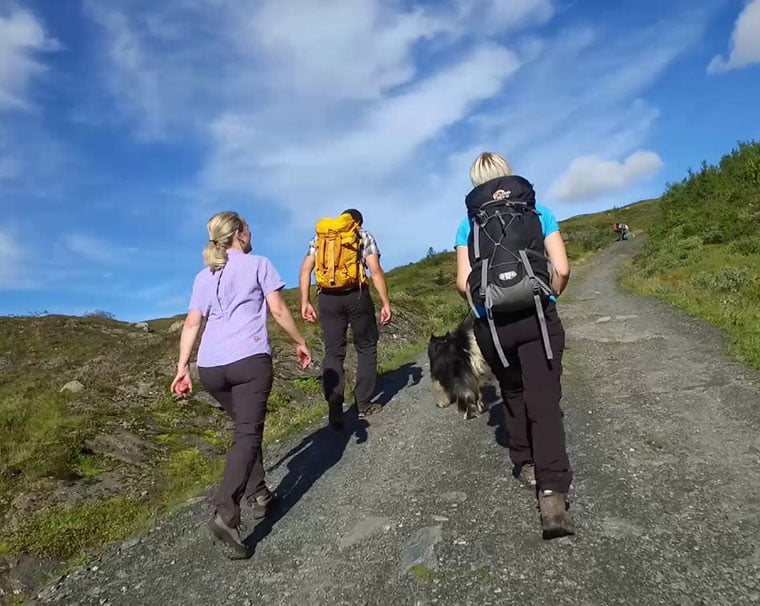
{"x": 306, "y": 463}
{"x": 391, "y": 383}
{"x": 492, "y": 398}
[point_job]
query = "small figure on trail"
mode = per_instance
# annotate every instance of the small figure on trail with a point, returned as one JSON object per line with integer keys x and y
{"x": 503, "y": 271}
{"x": 233, "y": 294}
{"x": 622, "y": 231}
{"x": 342, "y": 254}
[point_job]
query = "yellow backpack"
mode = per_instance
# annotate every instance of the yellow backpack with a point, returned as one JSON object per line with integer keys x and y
{"x": 339, "y": 263}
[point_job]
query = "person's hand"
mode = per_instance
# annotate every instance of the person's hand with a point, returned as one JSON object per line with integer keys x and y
{"x": 182, "y": 384}
{"x": 304, "y": 356}
{"x": 385, "y": 315}
{"x": 308, "y": 313}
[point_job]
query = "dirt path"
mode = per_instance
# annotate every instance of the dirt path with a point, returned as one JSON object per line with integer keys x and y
{"x": 663, "y": 431}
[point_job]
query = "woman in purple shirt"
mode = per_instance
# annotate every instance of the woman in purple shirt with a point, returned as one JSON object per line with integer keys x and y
{"x": 233, "y": 293}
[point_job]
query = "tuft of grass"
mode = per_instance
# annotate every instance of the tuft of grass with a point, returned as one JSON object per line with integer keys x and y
{"x": 310, "y": 385}
{"x": 221, "y": 440}
{"x": 282, "y": 421}
{"x": 187, "y": 473}
{"x": 392, "y": 358}
{"x": 89, "y": 466}
{"x": 64, "y": 532}
{"x": 39, "y": 433}
{"x": 423, "y": 573}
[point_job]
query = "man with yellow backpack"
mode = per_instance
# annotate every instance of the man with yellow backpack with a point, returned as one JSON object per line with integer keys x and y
{"x": 342, "y": 255}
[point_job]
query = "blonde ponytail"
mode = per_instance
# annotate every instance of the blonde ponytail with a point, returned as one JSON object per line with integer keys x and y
{"x": 222, "y": 228}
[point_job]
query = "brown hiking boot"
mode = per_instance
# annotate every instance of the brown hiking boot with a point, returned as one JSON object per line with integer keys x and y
{"x": 228, "y": 535}
{"x": 260, "y": 503}
{"x": 527, "y": 476}
{"x": 555, "y": 520}
{"x": 369, "y": 408}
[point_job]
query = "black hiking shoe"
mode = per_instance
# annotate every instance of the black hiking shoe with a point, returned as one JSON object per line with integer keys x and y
{"x": 370, "y": 408}
{"x": 260, "y": 503}
{"x": 335, "y": 412}
{"x": 555, "y": 520}
{"x": 228, "y": 535}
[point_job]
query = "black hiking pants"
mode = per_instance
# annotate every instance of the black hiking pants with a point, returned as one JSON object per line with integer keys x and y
{"x": 531, "y": 390}
{"x": 242, "y": 388}
{"x": 336, "y": 312}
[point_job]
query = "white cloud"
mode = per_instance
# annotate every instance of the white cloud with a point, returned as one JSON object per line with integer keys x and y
{"x": 90, "y": 248}
{"x": 12, "y": 262}
{"x": 495, "y": 15}
{"x": 72, "y": 248}
{"x": 9, "y": 167}
{"x": 21, "y": 37}
{"x": 379, "y": 143}
{"x": 380, "y": 105}
{"x": 189, "y": 64}
{"x": 359, "y": 50}
{"x": 745, "y": 41}
{"x": 588, "y": 177}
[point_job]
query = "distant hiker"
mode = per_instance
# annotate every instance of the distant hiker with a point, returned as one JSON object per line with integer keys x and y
{"x": 233, "y": 294}
{"x": 341, "y": 254}
{"x": 503, "y": 272}
{"x": 622, "y": 231}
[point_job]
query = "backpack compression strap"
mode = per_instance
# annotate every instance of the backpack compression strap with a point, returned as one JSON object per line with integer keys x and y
{"x": 330, "y": 261}
{"x": 539, "y": 306}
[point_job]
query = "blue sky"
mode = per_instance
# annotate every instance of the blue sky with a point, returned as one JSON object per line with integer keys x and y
{"x": 125, "y": 125}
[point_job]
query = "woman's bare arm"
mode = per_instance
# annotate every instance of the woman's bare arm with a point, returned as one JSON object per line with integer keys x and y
{"x": 555, "y": 250}
{"x": 463, "y": 269}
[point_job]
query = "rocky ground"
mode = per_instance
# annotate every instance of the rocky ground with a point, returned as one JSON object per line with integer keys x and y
{"x": 417, "y": 506}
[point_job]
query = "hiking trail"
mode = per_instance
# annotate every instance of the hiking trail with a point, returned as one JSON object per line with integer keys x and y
{"x": 417, "y": 506}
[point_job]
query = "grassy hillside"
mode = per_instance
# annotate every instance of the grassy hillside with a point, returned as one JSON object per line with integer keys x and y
{"x": 703, "y": 252}
{"x": 80, "y": 469}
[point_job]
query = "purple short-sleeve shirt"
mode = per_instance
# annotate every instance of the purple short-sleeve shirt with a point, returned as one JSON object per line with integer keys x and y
{"x": 233, "y": 301}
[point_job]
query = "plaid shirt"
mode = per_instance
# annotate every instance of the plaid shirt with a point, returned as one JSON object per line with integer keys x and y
{"x": 368, "y": 246}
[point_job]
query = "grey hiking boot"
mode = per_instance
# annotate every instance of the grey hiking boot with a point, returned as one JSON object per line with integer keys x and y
{"x": 555, "y": 520}
{"x": 260, "y": 503}
{"x": 228, "y": 535}
{"x": 527, "y": 476}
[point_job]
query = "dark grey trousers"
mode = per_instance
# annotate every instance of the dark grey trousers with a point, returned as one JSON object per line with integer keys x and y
{"x": 242, "y": 388}
{"x": 336, "y": 312}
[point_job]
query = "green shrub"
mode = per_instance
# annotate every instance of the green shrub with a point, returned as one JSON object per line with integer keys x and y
{"x": 703, "y": 252}
{"x": 729, "y": 279}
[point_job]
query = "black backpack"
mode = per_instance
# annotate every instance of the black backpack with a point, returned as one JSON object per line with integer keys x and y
{"x": 510, "y": 272}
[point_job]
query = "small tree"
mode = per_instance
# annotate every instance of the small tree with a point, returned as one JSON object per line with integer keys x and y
{"x": 100, "y": 313}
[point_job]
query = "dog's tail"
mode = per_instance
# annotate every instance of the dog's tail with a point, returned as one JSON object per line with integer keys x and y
{"x": 477, "y": 361}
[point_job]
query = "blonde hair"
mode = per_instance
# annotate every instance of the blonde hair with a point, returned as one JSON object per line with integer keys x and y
{"x": 222, "y": 228}
{"x": 489, "y": 166}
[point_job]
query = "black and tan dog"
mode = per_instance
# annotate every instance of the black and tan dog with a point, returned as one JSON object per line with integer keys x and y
{"x": 458, "y": 370}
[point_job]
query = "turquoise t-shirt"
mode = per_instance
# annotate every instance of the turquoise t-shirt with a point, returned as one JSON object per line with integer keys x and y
{"x": 548, "y": 226}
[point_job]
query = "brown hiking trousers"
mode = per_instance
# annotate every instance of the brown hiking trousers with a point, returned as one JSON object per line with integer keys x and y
{"x": 242, "y": 388}
{"x": 531, "y": 390}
